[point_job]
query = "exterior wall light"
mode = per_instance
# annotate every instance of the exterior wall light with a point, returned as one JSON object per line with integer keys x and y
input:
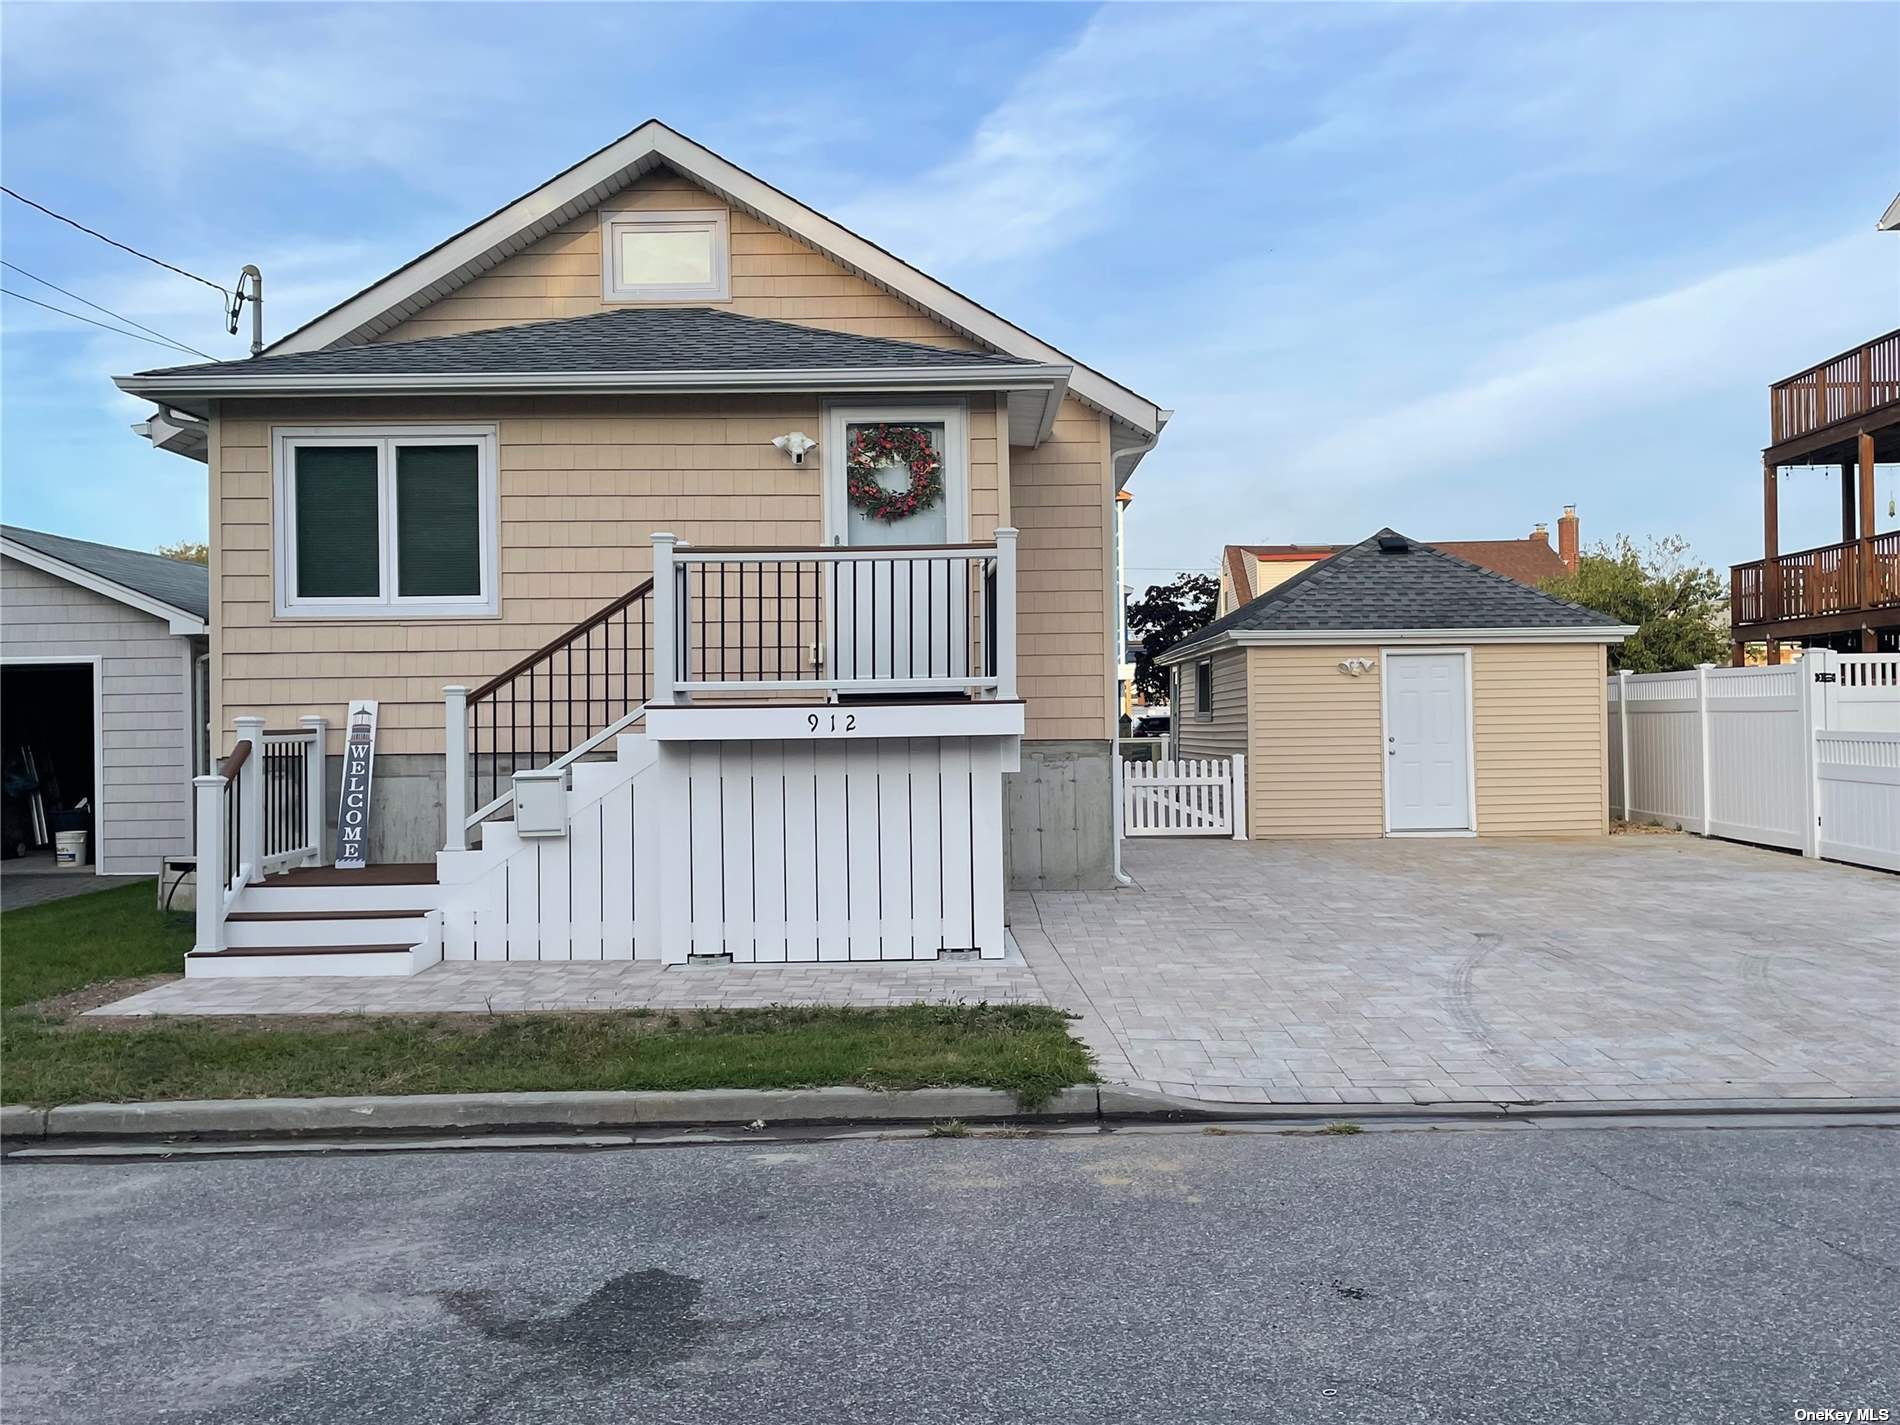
{"x": 795, "y": 445}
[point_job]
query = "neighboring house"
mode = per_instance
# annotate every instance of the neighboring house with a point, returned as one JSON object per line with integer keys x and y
{"x": 1843, "y": 414}
{"x": 102, "y": 684}
{"x": 1394, "y": 689}
{"x": 624, "y": 425}
{"x": 1250, "y": 570}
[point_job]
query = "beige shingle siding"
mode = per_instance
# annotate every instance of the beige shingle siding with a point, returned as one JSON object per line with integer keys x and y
{"x": 1313, "y": 759}
{"x": 1538, "y": 729}
{"x": 584, "y": 482}
{"x": 1225, "y": 734}
{"x": 145, "y": 780}
{"x": 772, "y": 276}
{"x": 1060, "y": 495}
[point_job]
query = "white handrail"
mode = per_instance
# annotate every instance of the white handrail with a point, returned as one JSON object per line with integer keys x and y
{"x": 573, "y": 754}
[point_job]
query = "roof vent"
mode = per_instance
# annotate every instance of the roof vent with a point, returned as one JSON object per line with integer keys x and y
{"x": 1394, "y": 544}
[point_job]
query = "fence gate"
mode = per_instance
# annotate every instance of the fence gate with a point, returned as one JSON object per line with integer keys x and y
{"x": 1195, "y": 796}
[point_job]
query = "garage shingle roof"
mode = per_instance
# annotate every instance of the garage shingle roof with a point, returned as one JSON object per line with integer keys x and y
{"x": 636, "y": 339}
{"x": 1391, "y": 582}
{"x": 170, "y": 581}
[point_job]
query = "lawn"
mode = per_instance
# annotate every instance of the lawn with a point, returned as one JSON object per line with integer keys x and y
{"x": 48, "y": 1056}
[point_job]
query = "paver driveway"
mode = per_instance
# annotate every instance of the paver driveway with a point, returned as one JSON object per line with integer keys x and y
{"x": 1640, "y": 967}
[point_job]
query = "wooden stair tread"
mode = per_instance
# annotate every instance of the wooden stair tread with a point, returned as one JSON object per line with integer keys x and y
{"x": 392, "y": 873}
{"x": 280, "y": 915}
{"x": 244, "y": 951}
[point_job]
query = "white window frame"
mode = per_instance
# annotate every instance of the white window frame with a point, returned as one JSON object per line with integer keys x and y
{"x": 286, "y": 440}
{"x": 952, "y": 415}
{"x": 715, "y": 222}
{"x": 1204, "y": 706}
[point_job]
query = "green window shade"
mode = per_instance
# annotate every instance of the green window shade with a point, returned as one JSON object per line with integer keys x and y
{"x": 438, "y": 521}
{"x": 338, "y": 540}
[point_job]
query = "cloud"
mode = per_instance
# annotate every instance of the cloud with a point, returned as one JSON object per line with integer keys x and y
{"x": 1735, "y": 328}
{"x": 1075, "y": 136}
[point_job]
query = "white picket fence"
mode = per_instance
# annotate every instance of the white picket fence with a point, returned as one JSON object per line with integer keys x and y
{"x": 1804, "y": 755}
{"x": 1194, "y": 796}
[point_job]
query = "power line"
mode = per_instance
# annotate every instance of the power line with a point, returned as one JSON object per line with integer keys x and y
{"x": 103, "y": 326}
{"x": 94, "y": 232}
{"x": 33, "y": 277}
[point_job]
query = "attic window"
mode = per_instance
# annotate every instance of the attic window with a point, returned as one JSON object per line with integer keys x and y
{"x": 665, "y": 257}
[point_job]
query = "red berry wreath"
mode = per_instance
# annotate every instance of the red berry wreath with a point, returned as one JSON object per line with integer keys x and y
{"x": 873, "y": 448}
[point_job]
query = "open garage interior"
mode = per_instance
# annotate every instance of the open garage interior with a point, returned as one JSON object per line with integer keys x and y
{"x": 49, "y": 732}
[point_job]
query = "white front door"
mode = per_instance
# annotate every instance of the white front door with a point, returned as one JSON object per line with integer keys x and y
{"x": 898, "y": 618}
{"x": 1427, "y": 743}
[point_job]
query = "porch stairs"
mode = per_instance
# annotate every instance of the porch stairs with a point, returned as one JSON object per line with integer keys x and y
{"x": 317, "y": 920}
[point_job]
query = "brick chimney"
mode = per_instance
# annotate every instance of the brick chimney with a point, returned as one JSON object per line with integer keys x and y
{"x": 1541, "y": 531}
{"x": 1567, "y": 538}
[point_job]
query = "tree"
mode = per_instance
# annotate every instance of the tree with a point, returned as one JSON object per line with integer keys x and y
{"x": 1679, "y": 607}
{"x": 1161, "y": 618}
{"x": 192, "y": 551}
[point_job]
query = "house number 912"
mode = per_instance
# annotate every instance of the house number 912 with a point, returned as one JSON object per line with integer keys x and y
{"x": 815, "y": 722}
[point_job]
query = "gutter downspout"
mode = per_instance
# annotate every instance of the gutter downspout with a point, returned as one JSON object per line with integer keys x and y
{"x": 1117, "y": 612}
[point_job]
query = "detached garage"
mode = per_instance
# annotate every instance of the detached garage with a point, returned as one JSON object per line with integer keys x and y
{"x": 102, "y": 698}
{"x": 1395, "y": 690}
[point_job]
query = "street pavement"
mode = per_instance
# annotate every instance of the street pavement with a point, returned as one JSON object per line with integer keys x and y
{"x": 1615, "y": 1276}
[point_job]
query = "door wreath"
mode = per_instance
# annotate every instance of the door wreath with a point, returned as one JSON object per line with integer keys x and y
{"x": 874, "y": 447}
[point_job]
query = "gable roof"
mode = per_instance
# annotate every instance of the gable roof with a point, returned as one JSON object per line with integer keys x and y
{"x": 636, "y": 339}
{"x": 1390, "y": 584}
{"x": 645, "y": 349}
{"x": 1530, "y": 560}
{"x": 166, "y": 588}
{"x": 385, "y": 304}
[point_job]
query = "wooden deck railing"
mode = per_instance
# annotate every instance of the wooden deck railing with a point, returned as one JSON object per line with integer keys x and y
{"x": 1849, "y": 385}
{"x": 1810, "y": 583}
{"x": 553, "y": 707}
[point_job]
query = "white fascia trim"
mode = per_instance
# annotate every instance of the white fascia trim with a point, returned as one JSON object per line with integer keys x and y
{"x": 1407, "y": 637}
{"x": 635, "y": 153}
{"x": 177, "y": 619}
{"x": 1050, "y": 379}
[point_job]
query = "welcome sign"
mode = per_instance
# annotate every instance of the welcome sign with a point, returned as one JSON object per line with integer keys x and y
{"x": 352, "y": 815}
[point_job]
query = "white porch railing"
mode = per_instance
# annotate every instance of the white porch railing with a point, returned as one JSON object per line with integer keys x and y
{"x": 835, "y": 620}
{"x": 261, "y": 811}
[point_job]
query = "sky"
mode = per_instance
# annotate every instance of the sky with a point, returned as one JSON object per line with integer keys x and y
{"x": 1445, "y": 268}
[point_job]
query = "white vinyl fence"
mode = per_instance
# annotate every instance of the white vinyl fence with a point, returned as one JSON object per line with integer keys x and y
{"x": 1195, "y": 796}
{"x": 1805, "y": 755}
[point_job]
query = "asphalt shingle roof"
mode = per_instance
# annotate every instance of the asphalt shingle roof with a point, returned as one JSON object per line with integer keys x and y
{"x": 636, "y": 339}
{"x": 170, "y": 581}
{"x": 1370, "y": 587}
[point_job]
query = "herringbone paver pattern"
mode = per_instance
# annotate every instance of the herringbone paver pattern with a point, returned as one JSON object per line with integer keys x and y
{"x": 1423, "y": 971}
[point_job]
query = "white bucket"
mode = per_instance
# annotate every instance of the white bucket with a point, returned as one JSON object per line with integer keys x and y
{"x": 69, "y": 848}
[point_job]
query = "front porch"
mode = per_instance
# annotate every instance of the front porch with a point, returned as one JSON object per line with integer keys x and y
{"x": 757, "y": 756}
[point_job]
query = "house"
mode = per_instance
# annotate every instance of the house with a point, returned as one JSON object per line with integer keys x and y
{"x": 1395, "y": 689}
{"x": 1249, "y": 570}
{"x": 657, "y": 476}
{"x": 1842, "y": 415}
{"x": 102, "y": 697}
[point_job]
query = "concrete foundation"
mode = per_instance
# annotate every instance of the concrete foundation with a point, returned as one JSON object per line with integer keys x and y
{"x": 1059, "y": 816}
{"x": 405, "y": 807}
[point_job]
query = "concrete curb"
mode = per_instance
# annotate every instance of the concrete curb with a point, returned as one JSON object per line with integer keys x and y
{"x": 517, "y": 1112}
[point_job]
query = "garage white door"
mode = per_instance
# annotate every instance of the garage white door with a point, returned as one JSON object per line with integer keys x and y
{"x": 1428, "y": 743}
